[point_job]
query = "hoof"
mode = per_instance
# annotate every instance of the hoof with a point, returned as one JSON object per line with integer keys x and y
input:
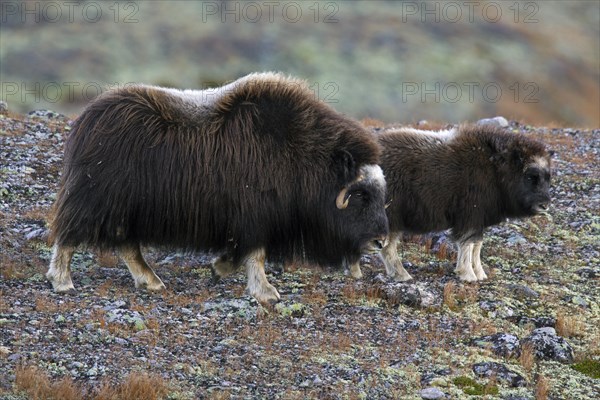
{"x": 154, "y": 286}
{"x": 482, "y": 276}
{"x": 468, "y": 277}
{"x": 267, "y": 295}
{"x": 356, "y": 274}
{"x": 214, "y": 276}
{"x": 61, "y": 287}
{"x": 403, "y": 278}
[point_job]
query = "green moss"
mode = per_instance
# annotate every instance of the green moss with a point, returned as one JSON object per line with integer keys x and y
{"x": 590, "y": 368}
{"x": 470, "y": 387}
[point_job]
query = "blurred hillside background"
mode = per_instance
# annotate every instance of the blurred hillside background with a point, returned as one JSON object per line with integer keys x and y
{"x": 536, "y": 61}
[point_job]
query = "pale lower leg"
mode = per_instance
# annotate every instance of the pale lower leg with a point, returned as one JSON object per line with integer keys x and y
{"x": 59, "y": 272}
{"x": 258, "y": 286}
{"x": 355, "y": 271}
{"x": 477, "y": 267}
{"x": 464, "y": 264}
{"x": 393, "y": 263}
{"x": 142, "y": 274}
{"x": 223, "y": 266}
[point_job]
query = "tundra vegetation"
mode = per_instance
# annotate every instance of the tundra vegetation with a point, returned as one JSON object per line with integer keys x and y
{"x": 530, "y": 331}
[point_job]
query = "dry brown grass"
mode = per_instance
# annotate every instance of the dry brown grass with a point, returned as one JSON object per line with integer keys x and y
{"x": 541, "y": 388}
{"x": 37, "y": 213}
{"x": 37, "y": 386}
{"x": 11, "y": 269}
{"x": 136, "y": 386}
{"x": 527, "y": 357}
{"x": 569, "y": 325}
{"x": 450, "y": 296}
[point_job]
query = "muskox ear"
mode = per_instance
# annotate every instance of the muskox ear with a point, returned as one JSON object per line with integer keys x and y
{"x": 345, "y": 166}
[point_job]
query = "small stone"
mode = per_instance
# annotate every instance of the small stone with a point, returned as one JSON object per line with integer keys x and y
{"x": 587, "y": 273}
{"x": 502, "y": 344}
{"x": 496, "y": 121}
{"x": 549, "y": 346}
{"x": 399, "y": 293}
{"x": 3, "y": 107}
{"x": 60, "y": 319}
{"x": 523, "y": 292}
{"x": 92, "y": 371}
{"x": 501, "y": 372}
{"x": 580, "y": 301}
{"x": 4, "y": 350}
{"x": 428, "y": 377}
{"x": 432, "y": 393}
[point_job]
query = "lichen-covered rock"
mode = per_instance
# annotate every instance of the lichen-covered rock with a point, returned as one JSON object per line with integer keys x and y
{"x": 522, "y": 292}
{"x": 501, "y": 372}
{"x": 402, "y": 293}
{"x": 502, "y": 344}
{"x": 47, "y": 114}
{"x": 429, "y": 376}
{"x": 549, "y": 346}
{"x": 432, "y": 393}
{"x": 496, "y": 121}
{"x": 538, "y": 322}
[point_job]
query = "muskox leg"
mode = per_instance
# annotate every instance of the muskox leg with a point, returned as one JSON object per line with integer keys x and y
{"x": 355, "y": 271}
{"x": 464, "y": 263}
{"x": 258, "y": 286}
{"x": 59, "y": 273}
{"x": 393, "y": 263}
{"x": 477, "y": 267}
{"x": 142, "y": 274}
{"x": 223, "y": 266}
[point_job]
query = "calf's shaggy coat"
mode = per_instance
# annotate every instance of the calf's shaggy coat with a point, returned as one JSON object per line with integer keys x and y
{"x": 464, "y": 179}
{"x": 256, "y": 169}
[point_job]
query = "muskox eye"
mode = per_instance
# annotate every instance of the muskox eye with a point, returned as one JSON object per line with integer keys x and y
{"x": 533, "y": 178}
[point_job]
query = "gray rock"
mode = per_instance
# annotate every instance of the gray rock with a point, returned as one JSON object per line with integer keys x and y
{"x": 503, "y": 374}
{"x": 3, "y": 106}
{"x": 429, "y": 376}
{"x": 538, "y": 322}
{"x": 431, "y": 393}
{"x": 47, "y": 114}
{"x": 523, "y": 292}
{"x": 587, "y": 273}
{"x": 549, "y": 346}
{"x": 496, "y": 121}
{"x": 401, "y": 293}
{"x": 502, "y": 344}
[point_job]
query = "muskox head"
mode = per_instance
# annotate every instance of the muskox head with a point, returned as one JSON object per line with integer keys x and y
{"x": 360, "y": 207}
{"x": 526, "y": 172}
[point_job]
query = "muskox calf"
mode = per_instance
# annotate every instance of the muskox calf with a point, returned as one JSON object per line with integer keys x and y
{"x": 465, "y": 179}
{"x": 256, "y": 169}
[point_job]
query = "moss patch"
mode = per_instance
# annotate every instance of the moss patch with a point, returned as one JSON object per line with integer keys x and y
{"x": 470, "y": 387}
{"x": 590, "y": 368}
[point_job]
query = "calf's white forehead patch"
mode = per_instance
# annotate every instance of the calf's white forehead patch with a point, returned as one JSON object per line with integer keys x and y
{"x": 372, "y": 173}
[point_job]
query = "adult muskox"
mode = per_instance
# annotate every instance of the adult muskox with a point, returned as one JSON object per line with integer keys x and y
{"x": 465, "y": 179}
{"x": 256, "y": 169}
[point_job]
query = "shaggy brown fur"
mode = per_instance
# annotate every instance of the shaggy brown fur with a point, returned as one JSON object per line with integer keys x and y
{"x": 254, "y": 165}
{"x": 464, "y": 180}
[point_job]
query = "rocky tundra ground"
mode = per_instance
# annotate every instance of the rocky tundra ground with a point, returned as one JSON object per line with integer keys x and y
{"x": 532, "y": 331}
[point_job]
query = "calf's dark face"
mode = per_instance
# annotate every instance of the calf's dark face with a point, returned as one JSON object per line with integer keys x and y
{"x": 533, "y": 188}
{"x": 361, "y": 211}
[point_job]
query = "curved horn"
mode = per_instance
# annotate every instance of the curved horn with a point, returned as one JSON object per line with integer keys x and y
{"x": 339, "y": 201}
